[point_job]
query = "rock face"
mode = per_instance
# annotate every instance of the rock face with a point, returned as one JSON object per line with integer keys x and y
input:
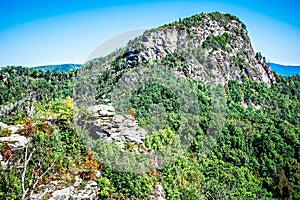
{"x": 222, "y": 38}
{"x": 158, "y": 193}
{"x": 101, "y": 111}
{"x": 12, "y": 128}
{"x": 27, "y": 104}
{"x": 107, "y": 125}
{"x": 78, "y": 190}
{"x": 14, "y": 141}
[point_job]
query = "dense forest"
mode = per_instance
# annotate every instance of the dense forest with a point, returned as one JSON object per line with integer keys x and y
{"x": 255, "y": 156}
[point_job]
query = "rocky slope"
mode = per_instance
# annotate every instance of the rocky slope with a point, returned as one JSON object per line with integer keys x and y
{"x": 223, "y": 39}
{"x": 215, "y": 47}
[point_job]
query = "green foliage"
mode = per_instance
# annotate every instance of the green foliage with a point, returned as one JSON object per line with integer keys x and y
{"x": 60, "y": 110}
{"x": 196, "y": 20}
{"x": 159, "y": 139}
{"x": 226, "y": 18}
{"x": 260, "y": 58}
{"x": 173, "y": 60}
{"x": 4, "y": 132}
{"x": 155, "y": 94}
{"x": 26, "y": 85}
{"x": 191, "y": 177}
{"x": 244, "y": 34}
{"x": 10, "y": 184}
{"x": 63, "y": 146}
{"x": 256, "y": 156}
{"x": 128, "y": 184}
{"x": 218, "y": 42}
{"x": 190, "y": 36}
{"x": 24, "y": 81}
{"x": 246, "y": 53}
{"x": 264, "y": 139}
{"x": 239, "y": 61}
{"x": 105, "y": 187}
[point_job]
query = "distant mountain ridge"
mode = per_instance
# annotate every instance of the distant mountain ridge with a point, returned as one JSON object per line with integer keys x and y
{"x": 58, "y": 68}
{"x": 282, "y": 70}
{"x": 285, "y": 70}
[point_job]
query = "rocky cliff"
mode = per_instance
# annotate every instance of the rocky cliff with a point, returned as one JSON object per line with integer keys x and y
{"x": 109, "y": 126}
{"x": 213, "y": 47}
{"x": 223, "y": 40}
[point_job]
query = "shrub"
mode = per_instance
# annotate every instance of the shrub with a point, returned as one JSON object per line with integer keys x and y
{"x": 4, "y": 132}
{"x": 159, "y": 139}
{"x": 10, "y": 185}
{"x": 105, "y": 187}
{"x": 217, "y": 42}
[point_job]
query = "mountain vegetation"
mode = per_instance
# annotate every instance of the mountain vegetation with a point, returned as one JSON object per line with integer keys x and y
{"x": 255, "y": 156}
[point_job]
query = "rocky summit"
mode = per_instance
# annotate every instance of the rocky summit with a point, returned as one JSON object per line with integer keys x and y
{"x": 224, "y": 41}
{"x": 213, "y": 47}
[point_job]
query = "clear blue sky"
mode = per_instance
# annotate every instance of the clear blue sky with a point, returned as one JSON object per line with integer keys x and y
{"x": 40, "y": 32}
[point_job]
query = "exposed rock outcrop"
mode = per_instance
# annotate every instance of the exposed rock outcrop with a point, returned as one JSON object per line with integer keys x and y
{"x": 106, "y": 124}
{"x": 13, "y": 141}
{"x": 17, "y": 141}
{"x": 158, "y": 193}
{"x": 225, "y": 50}
{"x": 26, "y": 104}
{"x": 12, "y": 128}
{"x": 231, "y": 61}
{"x": 78, "y": 191}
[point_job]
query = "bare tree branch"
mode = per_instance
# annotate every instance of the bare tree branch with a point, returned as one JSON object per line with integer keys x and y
{"x": 41, "y": 176}
{"x": 34, "y": 177}
{"x": 26, "y": 160}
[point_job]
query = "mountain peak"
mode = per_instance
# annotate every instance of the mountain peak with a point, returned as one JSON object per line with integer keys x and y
{"x": 225, "y": 49}
{"x": 196, "y": 20}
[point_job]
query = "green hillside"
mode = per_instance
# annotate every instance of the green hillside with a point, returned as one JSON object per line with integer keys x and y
{"x": 255, "y": 156}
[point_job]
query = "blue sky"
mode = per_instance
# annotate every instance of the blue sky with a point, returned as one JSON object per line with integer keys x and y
{"x": 41, "y": 32}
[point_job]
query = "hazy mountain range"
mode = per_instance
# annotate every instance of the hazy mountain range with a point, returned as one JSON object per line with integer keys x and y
{"x": 59, "y": 68}
{"x": 283, "y": 70}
